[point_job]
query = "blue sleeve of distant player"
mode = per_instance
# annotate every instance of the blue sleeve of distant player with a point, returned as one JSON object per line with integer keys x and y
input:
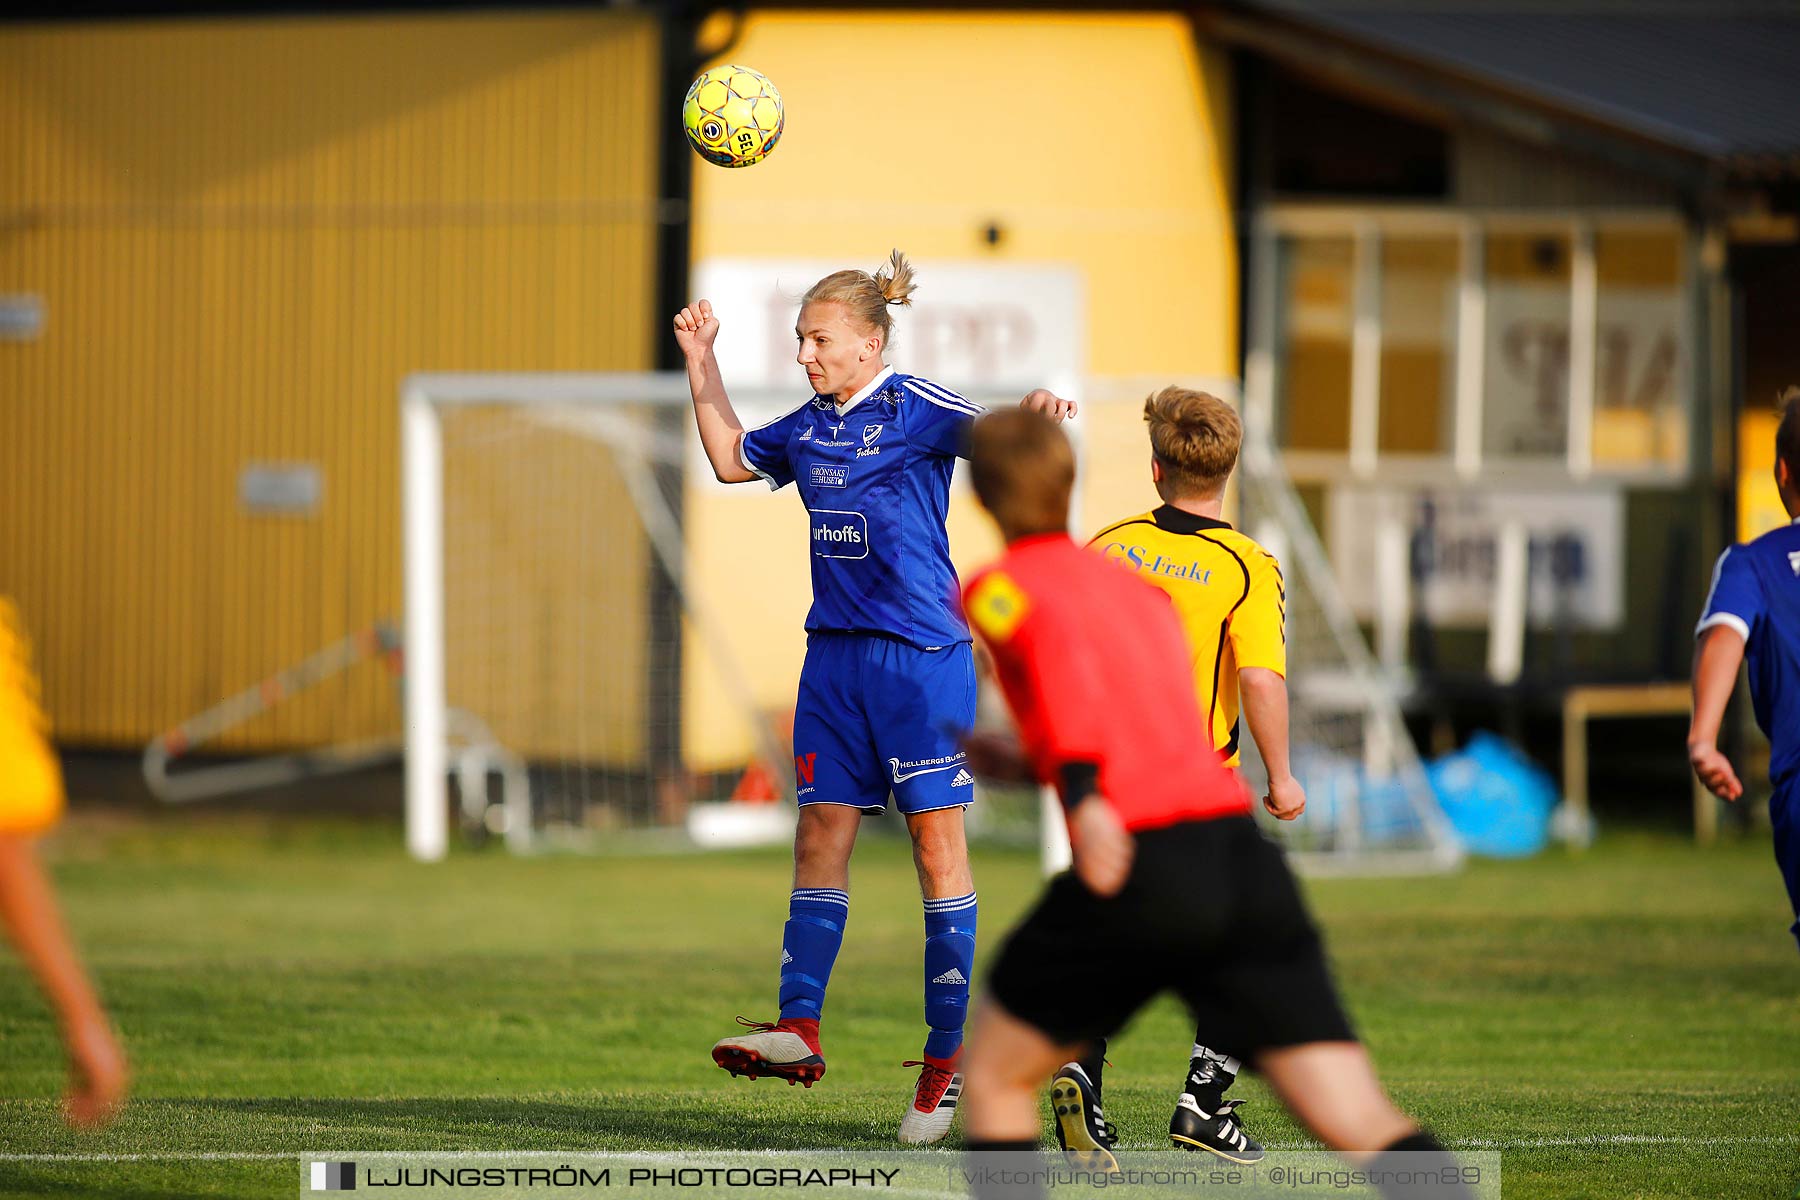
{"x": 1736, "y": 597}
{"x": 940, "y": 422}
{"x": 765, "y": 449}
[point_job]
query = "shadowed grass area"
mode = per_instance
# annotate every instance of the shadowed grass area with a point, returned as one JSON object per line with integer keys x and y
{"x": 1624, "y": 1023}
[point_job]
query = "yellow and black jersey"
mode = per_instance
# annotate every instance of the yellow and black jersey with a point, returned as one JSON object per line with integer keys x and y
{"x": 1228, "y": 592}
{"x": 31, "y": 791}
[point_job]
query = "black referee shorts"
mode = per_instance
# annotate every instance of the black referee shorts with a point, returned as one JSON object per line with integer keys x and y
{"x": 1212, "y": 913}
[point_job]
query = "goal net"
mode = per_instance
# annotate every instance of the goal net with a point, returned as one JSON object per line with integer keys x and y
{"x": 603, "y": 643}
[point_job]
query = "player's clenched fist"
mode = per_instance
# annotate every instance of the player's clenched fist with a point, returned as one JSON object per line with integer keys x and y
{"x": 1047, "y": 402}
{"x": 1286, "y": 799}
{"x": 695, "y": 328}
{"x": 1714, "y": 770}
{"x": 1102, "y": 845}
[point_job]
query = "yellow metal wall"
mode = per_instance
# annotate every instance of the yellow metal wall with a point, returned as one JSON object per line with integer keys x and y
{"x": 1759, "y": 500}
{"x": 1099, "y": 141}
{"x": 245, "y": 233}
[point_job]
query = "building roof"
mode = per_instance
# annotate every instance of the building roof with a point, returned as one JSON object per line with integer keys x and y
{"x": 1719, "y": 81}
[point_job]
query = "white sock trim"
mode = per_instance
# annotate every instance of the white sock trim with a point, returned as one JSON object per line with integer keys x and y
{"x": 1224, "y": 1060}
{"x": 821, "y": 896}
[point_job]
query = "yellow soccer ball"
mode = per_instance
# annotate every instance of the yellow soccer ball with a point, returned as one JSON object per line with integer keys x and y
{"x": 733, "y": 116}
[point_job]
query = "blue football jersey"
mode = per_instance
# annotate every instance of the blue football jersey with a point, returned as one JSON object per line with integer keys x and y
{"x": 874, "y": 475}
{"x": 1756, "y": 591}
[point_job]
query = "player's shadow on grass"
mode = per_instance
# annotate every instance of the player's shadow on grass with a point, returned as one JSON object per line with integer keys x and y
{"x": 615, "y": 1121}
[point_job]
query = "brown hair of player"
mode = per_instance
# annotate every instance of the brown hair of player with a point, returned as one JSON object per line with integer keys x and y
{"x": 1023, "y": 469}
{"x": 866, "y": 297}
{"x": 1787, "y": 450}
{"x": 1195, "y": 437}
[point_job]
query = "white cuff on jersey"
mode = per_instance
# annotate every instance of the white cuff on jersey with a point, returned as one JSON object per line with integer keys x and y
{"x": 744, "y": 462}
{"x": 1730, "y": 620}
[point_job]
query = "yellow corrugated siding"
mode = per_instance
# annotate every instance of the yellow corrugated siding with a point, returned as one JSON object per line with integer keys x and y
{"x": 245, "y": 233}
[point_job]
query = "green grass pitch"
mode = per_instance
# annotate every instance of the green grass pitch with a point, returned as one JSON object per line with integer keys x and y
{"x": 1622, "y": 1024}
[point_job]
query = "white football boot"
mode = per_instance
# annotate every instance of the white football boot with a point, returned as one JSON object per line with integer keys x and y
{"x": 770, "y": 1048}
{"x": 933, "y": 1105}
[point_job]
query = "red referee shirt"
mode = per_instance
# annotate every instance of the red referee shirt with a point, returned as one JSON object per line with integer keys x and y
{"x": 1096, "y": 669}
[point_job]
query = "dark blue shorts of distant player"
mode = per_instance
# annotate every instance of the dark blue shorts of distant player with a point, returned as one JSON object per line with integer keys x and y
{"x": 878, "y": 715}
{"x": 1784, "y": 816}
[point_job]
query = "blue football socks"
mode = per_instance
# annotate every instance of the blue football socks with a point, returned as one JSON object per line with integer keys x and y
{"x": 949, "y": 962}
{"x": 809, "y": 946}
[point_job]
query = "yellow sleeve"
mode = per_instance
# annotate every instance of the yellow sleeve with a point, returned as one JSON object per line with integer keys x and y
{"x": 1259, "y": 626}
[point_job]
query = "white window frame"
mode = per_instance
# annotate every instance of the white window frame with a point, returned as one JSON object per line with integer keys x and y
{"x": 1467, "y": 461}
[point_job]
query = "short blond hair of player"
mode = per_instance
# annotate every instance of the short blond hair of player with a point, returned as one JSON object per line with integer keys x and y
{"x": 31, "y": 801}
{"x": 1229, "y": 594}
{"x": 1194, "y": 442}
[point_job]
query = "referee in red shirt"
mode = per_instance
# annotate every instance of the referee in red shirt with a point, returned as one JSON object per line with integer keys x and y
{"x": 1174, "y": 887}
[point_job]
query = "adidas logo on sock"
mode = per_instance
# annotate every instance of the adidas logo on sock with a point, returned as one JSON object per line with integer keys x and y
{"x": 963, "y": 779}
{"x": 951, "y": 976}
{"x": 786, "y": 958}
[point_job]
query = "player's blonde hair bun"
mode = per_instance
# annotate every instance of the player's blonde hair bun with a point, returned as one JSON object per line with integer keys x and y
{"x": 895, "y": 281}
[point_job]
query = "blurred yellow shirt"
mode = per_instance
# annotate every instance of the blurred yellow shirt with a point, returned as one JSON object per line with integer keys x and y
{"x": 31, "y": 790}
{"x": 1228, "y": 592}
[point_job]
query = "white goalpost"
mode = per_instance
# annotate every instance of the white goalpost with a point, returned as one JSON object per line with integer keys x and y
{"x": 422, "y": 519}
{"x": 601, "y": 641}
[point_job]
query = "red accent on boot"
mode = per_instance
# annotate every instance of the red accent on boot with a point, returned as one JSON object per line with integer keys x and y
{"x": 934, "y": 1080}
{"x": 807, "y": 1029}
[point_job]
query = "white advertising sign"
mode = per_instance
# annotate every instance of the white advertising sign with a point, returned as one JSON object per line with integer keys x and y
{"x": 1576, "y": 550}
{"x": 974, "y": 327}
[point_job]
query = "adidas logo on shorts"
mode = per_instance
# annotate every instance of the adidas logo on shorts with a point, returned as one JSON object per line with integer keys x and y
{"x": 951, "y": 976}
{"x": 786, "y": 958}
{"x": 963, "y": 778}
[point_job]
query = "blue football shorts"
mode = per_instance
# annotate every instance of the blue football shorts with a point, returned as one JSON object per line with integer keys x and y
{"x": 876, "y": 715}
{"x": 1784, "y": 815}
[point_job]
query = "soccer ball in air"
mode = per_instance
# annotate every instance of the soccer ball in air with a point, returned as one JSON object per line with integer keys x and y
{"x": 732, "y": 116}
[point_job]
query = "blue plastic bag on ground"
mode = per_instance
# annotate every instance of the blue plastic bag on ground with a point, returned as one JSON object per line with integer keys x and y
{"x": 1497, "y": 799}
{"x": 1340, "y": 793}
